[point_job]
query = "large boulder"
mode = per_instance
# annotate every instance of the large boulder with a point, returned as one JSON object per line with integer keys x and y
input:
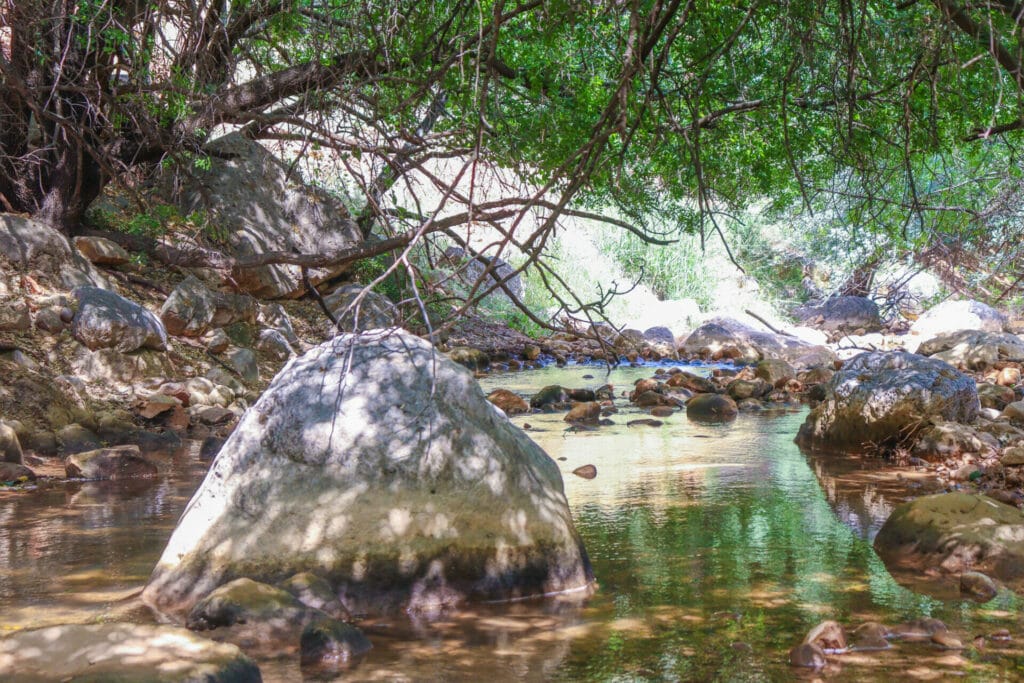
{"x": 843, "y": 313}
{"x": 106, "y": 320}
{"x": 974, "y": 349}
{"x": 378, "y": 464}
{"x": 950, "y": 316}
{"x": 258, "y": 203}
{"x": 955, "y": 532}
{"x": 192, "y": 309}
{"x": 121, "y": 652}
{"x": 883, "y": 397}
{"x": 730, "y": 338}
{"x": 28, "y": 247}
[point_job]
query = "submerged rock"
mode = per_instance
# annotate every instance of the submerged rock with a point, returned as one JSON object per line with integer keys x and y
{"x": 711, "y": 407}
{"x": 121, "y": 652}
{"x": 121, "y": 462}
{"x": 881, "y": 398}
{"x": 332, "y": 644}
{"x": 808, "y": 656}
{"x": 956, "y": 533}
{"x": 377, "y": 464}
{"x": 244, "y": 601}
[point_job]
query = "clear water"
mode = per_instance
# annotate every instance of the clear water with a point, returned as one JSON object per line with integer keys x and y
{"x": 716, "y": 547}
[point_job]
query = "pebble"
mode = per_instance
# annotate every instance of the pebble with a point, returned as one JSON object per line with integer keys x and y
{"x": 585, "y": 471}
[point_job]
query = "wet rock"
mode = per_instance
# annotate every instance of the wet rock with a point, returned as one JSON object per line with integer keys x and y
{"x": 548, "y": 395}
{"x": 663, "y": 411}
{"x": 10, "y": 446}
{"x": 585, "y": 471}
{"x": 692, "y": 382}
{"x": 192, "y": 309}
{"x": 977, "y": 586}
{"x": 947, "y": 641}
{"x": 101, "y": 251}
{"x": 74, "y": 438}
{"x": 644, "y": 422}
{"x": 243, "y": 363}
{"x": 740, "y": 389}
{"x": 273, "y": 344}
{"x": 955, "y": 532}
{"x": 711, "y": 407}
{"x": 882, "y": 397}
{"x": 808, "y": 656}
{"x": 13, "y": 472}
{"x": 372, "y": 311}
{"x": 244, "y": 601}
{"x": 420, "y": 455}
{"x": 107, "y": 321}
{"x": 649, "y": 399}
{"x": 828, "y": 635}
{"x": 314, "y": 591}
{"x": 157, "y": 404}
{"x": 589, "y": 411}
{"x": 120, "y": 462}
{"x": 774, "y": 371}
{"x": 973, "y": 349}
{"x": 871, "y": 636}
{"x": 511, "y": 403}
{"x": 531, "y": 352}
{"x": 121, "y": 652}
{"x": 581, "y": 394}
{"x": 474, "y": 359}
{"x": 642, "y": 386}
{"x": 332, "y": 644}
{"x": 952, "y": 316}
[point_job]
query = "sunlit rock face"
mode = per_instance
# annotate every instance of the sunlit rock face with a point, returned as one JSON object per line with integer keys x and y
{"x": 379, "y": 465}
{"x": 882, "y": 398}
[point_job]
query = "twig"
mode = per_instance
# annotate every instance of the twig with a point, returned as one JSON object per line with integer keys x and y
{"x": 764, "y": 322}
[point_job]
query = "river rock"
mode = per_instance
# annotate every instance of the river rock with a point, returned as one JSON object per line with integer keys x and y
{"x": 11, "y": 471}
{"x": 974, "y": 349}
{"x": 843, "y": 313}
{"x": 951, "y": 316}
{"x": 192, "y": 309}
{"x": 695, "y": 383}
{"x": 244, "y": 601}
{"x": 589, "y": 411}
{"x": 106, "y": 320}
{"x": 332, "y": 644}
{"x": 944, "y": 440}
{"x": 828, "y": 635}
{"x": 275, "y": 317}
{"x": 315, "y": 592}
{"x": 740, "y": 389}
{"x": 474, "y": 359}
{"x": 14, "y": 315}
{"x": 511, "y": 403}
{"x": 373, "y": 311}
{"x": 977, "y": 586}
{"x": 955, "y": 532}
{"x": 243, "y": 363}
{"x": 120, "y": 462}
{"x": 10, "y": 447}
{"x": 808, "y": 656}
{"x": 548, "y": 395}
{"x": 731, "y": 338}
{"x": 378, "y": 464}
{"x": 711, "y": 407}
{"x": 994, "y": 396}
{"x": 101, "y": 251}
{"x": 121, "y": 652}
{"x": 880, "y": 397}
{"x": 774, "y": 370}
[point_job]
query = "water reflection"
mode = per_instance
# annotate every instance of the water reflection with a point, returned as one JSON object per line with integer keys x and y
{"x": 716, "y": 548}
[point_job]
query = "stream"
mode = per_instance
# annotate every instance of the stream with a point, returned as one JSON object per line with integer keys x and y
{"x": 716, "y": 548}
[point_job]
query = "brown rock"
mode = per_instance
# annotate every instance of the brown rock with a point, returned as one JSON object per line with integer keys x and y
{"x": 102, "y": 251}
{"x": 122, "y": 462}
{"x": 662, "y": 411}
{"x": 648, "y": 399}
{"x": 585, "y": 471}
{"x": 1008, "y": 377}
{"x": 157, "y": 404}
{"x": 589, "y": 411}
{"x": 977, "y": 586}
{"x": 10, "y": 471}
{"x": 828, "y": 635}
{"x": 511, "y": 403}
{"x": 808, "y": 656}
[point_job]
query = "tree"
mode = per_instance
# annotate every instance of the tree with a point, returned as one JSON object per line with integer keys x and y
{"x": 673, "y": 113}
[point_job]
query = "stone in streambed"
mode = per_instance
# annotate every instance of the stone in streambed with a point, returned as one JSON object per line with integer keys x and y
{"x": 585, "y": 471}
{"x": 977, "y": 586}
{"x": 808, "y": 656}
{"x": 711, "y": 407}
{"x": 10, "y": 447}
{"x": 378, "y": 464}
{"x": 121, "y": 462}
{"x": 244, "y": 601}
{"x": 121, "y": 652}
{"x": 588, "y": 412}
{"x": 106, "y": 320}
{"x": 315, "y": 592}
{"x": 332, "y": 644}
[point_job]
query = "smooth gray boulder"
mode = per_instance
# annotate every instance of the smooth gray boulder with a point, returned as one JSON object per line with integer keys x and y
{"x": 377, "y": 464}
{"x": 33, "y": 248}
{"x": 950, "y": 316}
{"x": 733, "y": 339}
{"x": 106, "y": 320}
{"x": 884, "y": 397}
{"x": 121, "y": 652}
{"x": 974, "y": 349}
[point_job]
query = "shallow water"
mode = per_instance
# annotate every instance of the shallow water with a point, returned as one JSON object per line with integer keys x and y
{"x": 716, "y": 548}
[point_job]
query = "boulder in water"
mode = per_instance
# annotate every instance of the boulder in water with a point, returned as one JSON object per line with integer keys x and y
{"x": 377, "y": 464}
{"x": 882, "y": 398}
